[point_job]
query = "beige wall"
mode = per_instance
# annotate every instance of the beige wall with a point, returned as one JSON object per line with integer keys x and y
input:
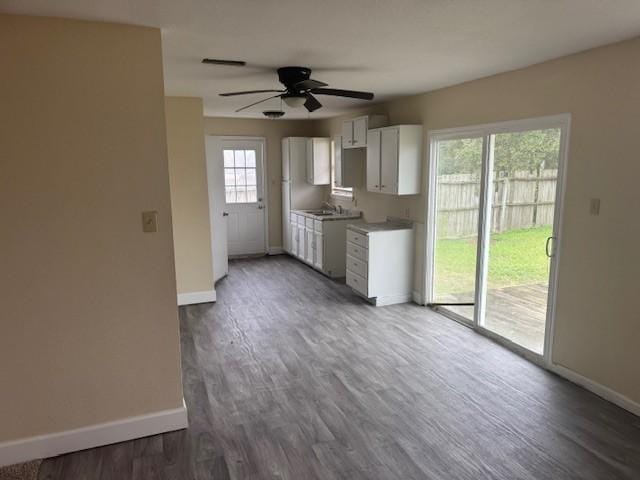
{"x": 597, "y": 322}
{"x": 273, "y": 131}
{"x": 88, "y": 325}
{"x": 189, "y": 196}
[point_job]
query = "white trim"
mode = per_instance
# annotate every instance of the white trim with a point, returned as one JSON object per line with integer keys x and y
{"x": 192, "y": 298}
{"x": 604, "y": 392}
{"x": 391, "y": 299}
{"x": 275, "y": 251}
{"x": 561, "y": 185}
{"x": 52, "y": 444}
{"x": 417, "y": 297}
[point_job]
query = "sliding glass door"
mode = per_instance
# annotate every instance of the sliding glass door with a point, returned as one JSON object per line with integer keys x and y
{"x": 494, "y": 225}
{"x": 458, "y": 185}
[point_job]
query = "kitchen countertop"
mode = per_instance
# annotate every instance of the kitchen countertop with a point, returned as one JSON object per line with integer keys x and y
{"x": 334, "y": 216}
{"x": 365, "y": 228}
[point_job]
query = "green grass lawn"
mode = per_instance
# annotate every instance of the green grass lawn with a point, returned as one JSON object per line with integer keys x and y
{"x": 516, "y": 257}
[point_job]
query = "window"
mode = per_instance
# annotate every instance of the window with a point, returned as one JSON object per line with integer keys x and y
{"x": 240, "y": 178}
{"x": 336, "y": 191}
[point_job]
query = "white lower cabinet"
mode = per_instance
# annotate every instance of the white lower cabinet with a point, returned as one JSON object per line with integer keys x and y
{"x": 380, "y": 262}
{"x": 310, "y": 245}
{"x": 320, "y": 243}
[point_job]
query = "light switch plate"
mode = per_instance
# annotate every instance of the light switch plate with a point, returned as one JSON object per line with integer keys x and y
{"x": 594, "y": 206}
{"x": 150, "y": 221}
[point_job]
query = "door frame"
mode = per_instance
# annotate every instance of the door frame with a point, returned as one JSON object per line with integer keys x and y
{"x": 561, "y": 121}
{"x": 264, "y": 182}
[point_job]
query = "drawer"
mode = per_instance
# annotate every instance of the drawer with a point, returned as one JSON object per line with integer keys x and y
{"x": 357, "y": 282}
{"x": 357, "y": 266}
{"x": 357, "y": 238}
{"x": 357, "y": 251}
{"x": 301, "y": 220}
{"x": 309, "y": 222}
{"x": 317, "y": 225}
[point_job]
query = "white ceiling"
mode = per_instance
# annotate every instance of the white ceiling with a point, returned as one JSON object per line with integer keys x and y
{"x": 389, "y": 47}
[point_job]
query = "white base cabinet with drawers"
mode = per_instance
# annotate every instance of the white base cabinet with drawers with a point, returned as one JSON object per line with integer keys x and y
{"x": 380, "y": 263}
{"x": 319, "y": 243}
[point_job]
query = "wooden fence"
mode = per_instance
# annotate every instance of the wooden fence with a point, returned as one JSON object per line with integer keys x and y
{"x": 522, "y": 200}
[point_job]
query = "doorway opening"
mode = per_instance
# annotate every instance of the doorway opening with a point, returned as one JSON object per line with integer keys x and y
{"x": 494, "y": 218}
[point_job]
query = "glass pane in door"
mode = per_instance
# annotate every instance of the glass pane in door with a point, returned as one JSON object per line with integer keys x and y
{"x": 459, "y": 169}
{"x": 523, "y": 193}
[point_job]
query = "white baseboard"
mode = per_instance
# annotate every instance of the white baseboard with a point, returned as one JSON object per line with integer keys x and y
{"x": 50, "y": 445}
{"x": 392, "y": 299}
{"x": 417, "y": 297}
{"x": 192, "y": 298}
{"x": 275, "y": 251}
{"x": 600, "y": 390}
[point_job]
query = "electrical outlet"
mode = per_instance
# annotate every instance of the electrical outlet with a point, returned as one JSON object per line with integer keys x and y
{"x": 150, "y": 221}
{"x": 594, "y": 206}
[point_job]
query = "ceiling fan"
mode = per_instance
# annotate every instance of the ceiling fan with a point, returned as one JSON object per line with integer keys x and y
{"x": 299, "y": 88}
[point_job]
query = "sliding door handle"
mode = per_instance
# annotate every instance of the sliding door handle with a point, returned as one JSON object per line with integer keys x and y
{"x": 549, "y": 251}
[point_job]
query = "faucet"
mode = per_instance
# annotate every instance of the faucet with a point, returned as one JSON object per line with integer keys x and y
{"x": 329, "y": 206}
{"x": 334, "y": 208}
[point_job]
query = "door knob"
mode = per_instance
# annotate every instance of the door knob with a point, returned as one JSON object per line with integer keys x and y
{"x": 225, "y": 214}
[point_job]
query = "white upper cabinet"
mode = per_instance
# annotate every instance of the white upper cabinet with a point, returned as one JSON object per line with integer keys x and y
{"x": 354, "y": 131}
{"x": 373, "y": 161}
{"x": 347, "y": 165}
{"x": 318, "y": 161}
{"x": 394, "y": 159}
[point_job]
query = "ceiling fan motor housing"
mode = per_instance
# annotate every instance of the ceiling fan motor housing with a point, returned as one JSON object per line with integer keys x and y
{"x": 289, "y": 76}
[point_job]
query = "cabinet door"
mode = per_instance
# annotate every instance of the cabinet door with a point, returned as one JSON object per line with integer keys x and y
{"x": 347, "y": 134}
{"x": 373, "y": 161}
{"x": 309, "y": 157}
{"x": 319, "y": 251}
{"x": 302, "y": 242}
{"x": 360, "y": 132}
{"x": 389, "y": 161}
{"x": 293, "y": 243}
{"x": 337, "y": 161}
{"x": 310, "y": 246}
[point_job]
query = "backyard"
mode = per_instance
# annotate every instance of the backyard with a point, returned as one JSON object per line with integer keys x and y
{"x": 516, "y": 257}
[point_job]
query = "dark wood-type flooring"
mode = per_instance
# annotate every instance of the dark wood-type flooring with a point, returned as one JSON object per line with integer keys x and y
{"x": 290, "y": 376}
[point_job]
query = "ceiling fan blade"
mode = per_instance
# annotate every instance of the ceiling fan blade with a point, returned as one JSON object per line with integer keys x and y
{"x": 309, "y": 84}
{"x": 216, "y": 61}
{"x": 231, "y": 94}
{"x": 256, "y": 103}
{"x": 312, "y": 104}
{"x": 343, "y": 93}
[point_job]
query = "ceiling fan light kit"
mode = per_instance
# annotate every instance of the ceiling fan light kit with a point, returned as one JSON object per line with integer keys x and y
{"x": 273, "y": 114}
{"x": 300, "y": 89}
{"x": 293, "y": 100}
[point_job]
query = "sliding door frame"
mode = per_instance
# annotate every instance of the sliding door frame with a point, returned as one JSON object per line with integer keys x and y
{"x": 487, "y": 132}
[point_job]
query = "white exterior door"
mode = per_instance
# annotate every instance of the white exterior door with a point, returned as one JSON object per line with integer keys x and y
{"x": 217, "y": 219}
{"x": 243, "y": 196}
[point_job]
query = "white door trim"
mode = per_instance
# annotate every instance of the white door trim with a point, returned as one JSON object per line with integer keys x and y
{"x": 561, "y": 121}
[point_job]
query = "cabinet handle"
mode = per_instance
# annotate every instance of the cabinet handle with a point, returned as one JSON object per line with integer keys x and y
{"x": 376, "y": 186}
{"x": 383, "y": 186}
